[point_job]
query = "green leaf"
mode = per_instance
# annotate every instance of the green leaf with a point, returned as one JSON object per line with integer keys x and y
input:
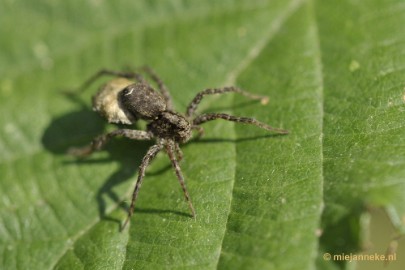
{"x": 363, "y": 117}
{"x": 332, "y": 71}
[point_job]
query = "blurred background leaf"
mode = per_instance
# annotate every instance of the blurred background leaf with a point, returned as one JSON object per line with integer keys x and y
{"x": 333, "y": 71}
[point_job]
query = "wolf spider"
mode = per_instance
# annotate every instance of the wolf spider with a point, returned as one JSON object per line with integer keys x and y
{"x": 122, "y": 100}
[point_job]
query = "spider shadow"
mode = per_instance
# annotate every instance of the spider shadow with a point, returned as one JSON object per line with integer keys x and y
{"x": 241, "y": 104}
{"x": 243, "y": 139}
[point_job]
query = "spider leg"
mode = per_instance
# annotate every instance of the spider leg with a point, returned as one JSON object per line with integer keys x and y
{"x": 102, "y": 140}
{"x": 107, "y": 72}
{"x": 162, "y": 87}
{"x": 170, "y": 148}
{"x": 211, "y": 91}
{"x": 246, "y": 120}
{"x": 179, "y": 153}
{"x": 199, "y": 129}
{"x": 152, "y": 152}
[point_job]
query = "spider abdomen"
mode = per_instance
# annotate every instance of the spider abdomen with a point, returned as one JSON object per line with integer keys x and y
{"x": 142, "y": 101}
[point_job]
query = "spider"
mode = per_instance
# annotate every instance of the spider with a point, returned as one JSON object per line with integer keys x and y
{"x": 129, "y": 97}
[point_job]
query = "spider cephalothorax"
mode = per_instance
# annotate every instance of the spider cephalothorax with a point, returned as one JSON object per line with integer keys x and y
{"x": 130, "y": 97}
{"x": 171, "y": 125}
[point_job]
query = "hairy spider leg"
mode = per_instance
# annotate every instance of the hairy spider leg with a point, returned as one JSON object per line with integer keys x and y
{"x": 211, "y": 91}
{"x": 162, "y": 87}
{"x": 199, "y": 129}
{"x": 246, "y": 120}
{"x": 170, "y": 148}
{"x": 152, "y": 152}
{"x": 102, "y": 140}
{"x": 179, "y": 153}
